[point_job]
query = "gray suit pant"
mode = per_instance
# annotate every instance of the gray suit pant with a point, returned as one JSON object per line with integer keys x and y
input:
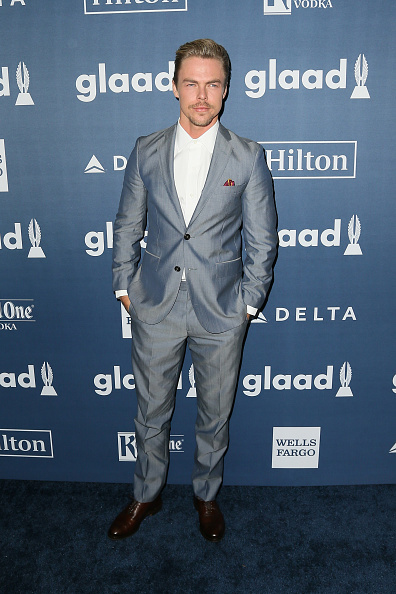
{"x": 157, "y": 357}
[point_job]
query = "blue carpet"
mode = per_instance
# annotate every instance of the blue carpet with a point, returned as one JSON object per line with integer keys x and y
{"x": 278, "y": 540}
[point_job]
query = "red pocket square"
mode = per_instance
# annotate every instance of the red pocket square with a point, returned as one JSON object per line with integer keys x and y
{"x": 229, "y": 182}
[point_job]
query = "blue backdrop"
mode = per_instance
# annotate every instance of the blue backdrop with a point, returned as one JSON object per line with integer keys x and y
{"x": 313, "y": 81}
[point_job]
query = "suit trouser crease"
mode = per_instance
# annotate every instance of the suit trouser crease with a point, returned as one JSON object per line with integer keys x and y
{"x": 157, "y": 357}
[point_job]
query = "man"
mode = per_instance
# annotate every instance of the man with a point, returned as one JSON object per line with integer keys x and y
{"x": 197, "y": 183}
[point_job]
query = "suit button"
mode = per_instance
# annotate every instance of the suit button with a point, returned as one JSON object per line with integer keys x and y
{"x": 177, "y": 268}
{"x": 187, "y": 236}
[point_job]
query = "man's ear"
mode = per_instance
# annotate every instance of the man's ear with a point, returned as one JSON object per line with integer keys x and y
{"x": 174, "y": 89}
{"x": 225, "y": 91}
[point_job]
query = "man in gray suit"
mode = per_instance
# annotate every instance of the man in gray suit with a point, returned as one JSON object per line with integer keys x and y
{"x": 198, "y": 185}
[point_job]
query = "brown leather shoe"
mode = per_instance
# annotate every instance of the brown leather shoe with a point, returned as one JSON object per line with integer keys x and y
{"x": 211, "y": 521}
{"x": 129, "y": 520}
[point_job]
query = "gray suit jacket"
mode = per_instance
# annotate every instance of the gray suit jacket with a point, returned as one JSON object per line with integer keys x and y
{"x": 210, "y": 247}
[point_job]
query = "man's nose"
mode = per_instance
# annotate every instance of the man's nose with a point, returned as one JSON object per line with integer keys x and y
{"x": 202, "y": 93}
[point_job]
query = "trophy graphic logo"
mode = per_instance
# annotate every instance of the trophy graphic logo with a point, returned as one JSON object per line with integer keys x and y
{"x": 361, "y": 73}
{"x": 345, "y": 379}
{"x": 3, "y": 168}
{"x": 22, "y": 77}
{"x": 354, "y": 229}
{"x": 192, "y": 393}
{"x": 35, "y": 238}
{"x": 47, "y": 377}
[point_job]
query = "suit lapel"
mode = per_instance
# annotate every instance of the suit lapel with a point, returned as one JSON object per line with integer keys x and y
{"x": 166, "y": 149}
{"x": 221, "y": 153}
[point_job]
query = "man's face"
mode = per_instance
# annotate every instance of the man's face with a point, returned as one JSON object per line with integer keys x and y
{"x": 201, "y": 89}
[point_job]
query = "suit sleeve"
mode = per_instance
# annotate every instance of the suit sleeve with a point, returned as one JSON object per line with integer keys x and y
{"x": 259, "y": 231}
{"x": 129, "y": 225}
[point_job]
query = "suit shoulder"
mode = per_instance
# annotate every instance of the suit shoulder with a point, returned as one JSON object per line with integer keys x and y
{"x": 145, "y": 141}
{"x": 245, "y": 143}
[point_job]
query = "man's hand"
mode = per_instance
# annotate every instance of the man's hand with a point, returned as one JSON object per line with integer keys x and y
{"x": 248, "y": 316}
{"x": 126, "y": 302}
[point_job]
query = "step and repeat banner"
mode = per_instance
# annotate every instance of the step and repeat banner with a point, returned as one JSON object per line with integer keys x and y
{"x": 313, "y": 82}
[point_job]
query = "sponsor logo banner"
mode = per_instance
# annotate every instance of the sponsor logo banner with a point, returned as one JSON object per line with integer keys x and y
{"x": 333, "y": 313}
{"x": 28, "y": 379}
{"x": 127, "y": 449}
{"x": 15, "y": 311}
{"x": 105, "y": 383}
{"x": 3, "y": 168}
{"x": 315, "y": 159}
{"x": 125, "y": 6}
{"x": 27, "y": 443}
{"x": 254, "y": 384}
{"x": 295, "y": 447}
{"x": 258, "y": 82}
{"x": 23, "y": 81}
{"x": 284, "y": 7}
{"x": 12, "y": 240}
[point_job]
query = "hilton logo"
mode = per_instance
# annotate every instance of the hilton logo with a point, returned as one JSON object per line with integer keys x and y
{"x": 26, "y": 443}
{"x": 118, "y": 6}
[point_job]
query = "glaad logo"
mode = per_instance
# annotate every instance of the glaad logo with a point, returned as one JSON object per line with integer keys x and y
{"x": 119, "y": 83}
{"x": 28, "y": 380}
{"x": 328, "y": 238}
{"x": 29, "y": 443}
{"x": 354, "y": 230}
{"x": 23, "y": 81}
{"x": 127, "y": 450}
{"x": 106, "y": 382}
{"x": 3, "y": 168}
{"x": 94, "y": 166}
{"x": 254, "y": 384}
{"x": 345, "y": 380}
{"x": 394, "y": 384}
{"x": 257, "y": 81}
{"x": 284, "y": 7}
{"x": 35, "y": 238}
{"x": 312, "y": 159}
{"x": 13, "y": 239}
{"x": 97, "y": 241}
{"x": 12, "y": 312}
{"x": 192, "y": 392}
{"x": 22, "y": 77}
{"x": 295, "y": 447}
{"x": 121, "y": 6}
{"x": 361, "y": 73}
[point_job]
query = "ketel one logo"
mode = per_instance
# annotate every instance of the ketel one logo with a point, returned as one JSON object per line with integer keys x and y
{"x": 23, "y": 82}
{"x": 127, "y": 450}
{"x": 12, "y": 312}
{"x": 284, "y": 7}
{"x": 28, "y": 380}
{"x": 13, "y": 239}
